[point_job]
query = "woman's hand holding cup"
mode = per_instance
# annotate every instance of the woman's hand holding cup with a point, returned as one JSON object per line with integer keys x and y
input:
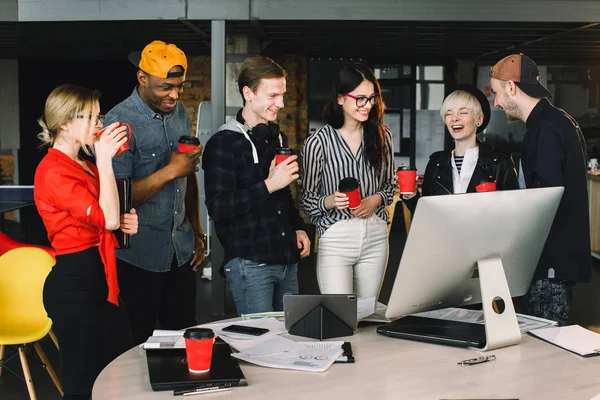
{"x": 111, "y": 139}
{"x": 340, "y": 200}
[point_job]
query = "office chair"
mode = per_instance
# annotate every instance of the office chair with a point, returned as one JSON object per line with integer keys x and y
{"x": 23, "y": 319}
{"x": 7, "y": 243}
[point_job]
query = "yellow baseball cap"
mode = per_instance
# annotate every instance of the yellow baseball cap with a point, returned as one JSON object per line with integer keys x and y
{"x": 158, "y": 58}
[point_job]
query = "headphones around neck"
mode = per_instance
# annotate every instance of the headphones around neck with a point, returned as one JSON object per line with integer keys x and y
{"x": 268, "y": 132}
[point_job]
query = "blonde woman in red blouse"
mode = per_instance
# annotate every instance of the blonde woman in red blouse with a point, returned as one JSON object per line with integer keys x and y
{"x": 79, "y": 204}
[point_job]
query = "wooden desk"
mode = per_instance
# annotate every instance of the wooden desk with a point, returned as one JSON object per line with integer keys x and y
{"x": 395, "y": 369}
{"x": 594, "y": 200}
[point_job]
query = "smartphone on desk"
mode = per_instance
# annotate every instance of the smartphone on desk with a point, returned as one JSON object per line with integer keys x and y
{"x": 245, "y": 330}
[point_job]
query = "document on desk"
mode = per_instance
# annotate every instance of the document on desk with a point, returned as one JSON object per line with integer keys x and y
{"x": 574, "y": 338}
{"x": 283, "y": 353}
{"x": 526, "y": 322}
{"x": 165, "y": 339}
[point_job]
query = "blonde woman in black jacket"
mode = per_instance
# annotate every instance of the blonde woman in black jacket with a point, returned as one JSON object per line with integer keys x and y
{"x": 466, "y": 112}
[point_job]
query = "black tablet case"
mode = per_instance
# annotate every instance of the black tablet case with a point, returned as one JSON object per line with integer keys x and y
{"x": 168, "y": 369}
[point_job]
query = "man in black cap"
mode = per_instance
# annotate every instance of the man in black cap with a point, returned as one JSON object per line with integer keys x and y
{"x": 553, "y": 154}
{"x": 156, "y": 274}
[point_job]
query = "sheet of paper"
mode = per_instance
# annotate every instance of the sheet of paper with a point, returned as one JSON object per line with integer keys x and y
{"x": 273, "y": 345}
{"x": 310, "y": 356}
{"x": 573, "y": 337}
{"x": 270, "y": 314}
{"x": 365, "y": 306}
{"x": 526, "y": 322}
{"x": 164, "y": 342}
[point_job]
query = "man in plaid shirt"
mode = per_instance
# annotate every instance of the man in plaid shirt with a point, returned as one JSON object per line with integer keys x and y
{"x": 248, "y": 196}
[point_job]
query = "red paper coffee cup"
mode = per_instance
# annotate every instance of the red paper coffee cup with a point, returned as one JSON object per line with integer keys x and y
{"x": 199, "y": 348}
{"x": 351, "y": 188}
{"x": 187, "y": 143}
{"x": 282, "y": 153}
{"x": 486, "y": 187}
{"x": 125, "y": 146}
{"x": 406, "y": 180}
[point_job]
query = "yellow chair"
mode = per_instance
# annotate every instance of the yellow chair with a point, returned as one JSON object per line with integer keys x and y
{"x": 23, "y": 319}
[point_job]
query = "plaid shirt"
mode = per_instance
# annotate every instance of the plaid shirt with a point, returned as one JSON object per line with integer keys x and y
{"x": 250, "y": 222}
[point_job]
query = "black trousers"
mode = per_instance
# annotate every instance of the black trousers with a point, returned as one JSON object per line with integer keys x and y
{"x": 91, "y": 332}
{"x": 167, "y": 297}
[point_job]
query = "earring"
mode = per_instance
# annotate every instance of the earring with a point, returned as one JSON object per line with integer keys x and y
{"x": 478, "y": 124}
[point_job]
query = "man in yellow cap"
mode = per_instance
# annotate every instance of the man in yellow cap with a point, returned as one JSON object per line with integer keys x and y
{"x": 156, "y": 274}
{"x": 553, "y": 153}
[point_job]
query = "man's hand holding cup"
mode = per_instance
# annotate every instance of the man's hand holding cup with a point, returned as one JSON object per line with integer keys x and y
{"x": 282, "y": 174}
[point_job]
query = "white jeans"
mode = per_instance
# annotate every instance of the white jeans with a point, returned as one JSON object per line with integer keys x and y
{"x": 352, "y": 257}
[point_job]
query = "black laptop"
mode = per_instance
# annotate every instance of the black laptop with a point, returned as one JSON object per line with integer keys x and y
{"x": 438, "y": 331}
{"x": 168, "y": 370}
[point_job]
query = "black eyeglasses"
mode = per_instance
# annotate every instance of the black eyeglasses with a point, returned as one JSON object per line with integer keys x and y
{"x": 362, "y": 101}
{"x": 99, "y": 118}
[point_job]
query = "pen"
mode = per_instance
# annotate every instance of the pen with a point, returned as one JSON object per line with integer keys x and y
{"x": 478, "y": 360}
{"x": 201, "y": 389}
{"x": 207, "y": 390}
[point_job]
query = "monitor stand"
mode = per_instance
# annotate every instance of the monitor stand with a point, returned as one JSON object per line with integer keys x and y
{"x": 501, "y": 326}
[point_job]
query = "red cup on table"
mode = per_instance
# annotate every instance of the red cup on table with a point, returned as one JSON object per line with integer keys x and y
{"x": 486, "y": 186}
{"x": 125, "y": 146}
{"x": 407, "y": 179}
{"x": 198, "y": 349}
{"x": 282, "y": 153}
{"x": 351, "y": 188}
{"x": 187, "y": 143}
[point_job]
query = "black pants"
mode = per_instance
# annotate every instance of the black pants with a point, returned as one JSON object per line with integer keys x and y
{"x": 91, "y": 332}
{"x": 167, "y": 297}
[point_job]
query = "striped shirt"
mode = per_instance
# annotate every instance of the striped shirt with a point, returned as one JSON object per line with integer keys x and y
{"x": 458, "y": 160}
{"x": 327, "y": 159}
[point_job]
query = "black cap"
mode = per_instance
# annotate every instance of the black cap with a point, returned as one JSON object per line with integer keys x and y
{"x": 348, "y": 184}
{"x": 483, "y": 101}
{"x": 199, "y": 333}
{"x": 189, "y": 140}
{"x": 286, "y": 151}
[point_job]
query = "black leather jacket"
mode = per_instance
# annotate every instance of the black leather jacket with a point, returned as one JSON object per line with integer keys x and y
{"x": 490, "y": 166}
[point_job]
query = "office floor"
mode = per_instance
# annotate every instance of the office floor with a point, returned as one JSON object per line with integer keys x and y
{"x": 586, "y": 311}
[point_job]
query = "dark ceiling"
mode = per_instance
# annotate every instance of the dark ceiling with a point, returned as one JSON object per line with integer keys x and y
{"x": 377, "y": 41}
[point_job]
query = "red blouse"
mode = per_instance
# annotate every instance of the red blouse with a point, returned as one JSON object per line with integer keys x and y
{"x": 66, "y": 196}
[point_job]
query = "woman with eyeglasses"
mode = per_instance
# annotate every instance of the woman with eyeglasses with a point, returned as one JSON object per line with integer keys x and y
{"x": 353, "y": 247}
{"x": 79, "y": 204}
{"x": 466, "y": 112}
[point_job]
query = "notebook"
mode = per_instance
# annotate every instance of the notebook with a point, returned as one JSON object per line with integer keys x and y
{"x": 438, "y": 331}
{"x": 168, "y": 370}
{"x": 574, "y": 338}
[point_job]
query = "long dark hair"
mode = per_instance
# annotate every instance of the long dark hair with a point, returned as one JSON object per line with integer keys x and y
{"x": 349, "y": 77}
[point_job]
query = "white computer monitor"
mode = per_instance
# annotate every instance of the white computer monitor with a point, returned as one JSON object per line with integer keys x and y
{"x": 451, "y": 235}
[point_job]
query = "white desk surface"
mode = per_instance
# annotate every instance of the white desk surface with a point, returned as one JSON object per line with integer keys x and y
{"x": 395, "y": 369}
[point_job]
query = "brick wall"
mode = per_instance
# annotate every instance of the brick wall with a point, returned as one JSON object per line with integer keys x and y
{"x": 197, "y": 86}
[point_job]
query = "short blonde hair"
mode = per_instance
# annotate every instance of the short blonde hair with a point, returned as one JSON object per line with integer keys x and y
{"x": 62, "y": 105}
{"x": 460, "y": 98}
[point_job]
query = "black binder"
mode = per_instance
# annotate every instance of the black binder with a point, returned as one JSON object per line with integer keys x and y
{"x": 124, "y": 190}
{"x": 168, "y": 370}
{"x": 320, "y": 316}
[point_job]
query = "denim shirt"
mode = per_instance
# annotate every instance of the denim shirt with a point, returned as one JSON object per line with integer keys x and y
{"x": 163, "y": 225}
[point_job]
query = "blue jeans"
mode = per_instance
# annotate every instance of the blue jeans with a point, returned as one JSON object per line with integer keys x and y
{"x": 260, "y": 287}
